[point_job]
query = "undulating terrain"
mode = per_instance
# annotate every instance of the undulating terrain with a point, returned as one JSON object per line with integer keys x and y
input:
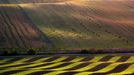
{"x": 67, "y": 24}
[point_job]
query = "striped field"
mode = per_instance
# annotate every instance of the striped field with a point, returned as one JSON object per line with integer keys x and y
{"x": 104, "y": 64}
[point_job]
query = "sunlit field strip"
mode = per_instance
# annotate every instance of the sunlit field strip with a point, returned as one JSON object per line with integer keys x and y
{"x": 103, "y": 70}
{"x": 62, "y": 58}
{"x": 129, "y": 70}
{"x": 21, "y": 67}
{"x": 8, "y": 4}
{"x": 88, "y": 66}
{"x": 41, "y": 59}
{"x": 97, "y": 58}
{"x": 49, "y": 66}
{"x": 106, "y": 69}
{"x": 39, "y": 68}
{"x": 21, "y": 61}
{"x": 131, "y": 59}
{"x": 43, "y": 67}
{"x": 114, "y": 59}
{"x": 69, "y": 65}
{"x": 77, "y": 59}
{"x": 36, "y": 70}
{"x": 5, "y": 60}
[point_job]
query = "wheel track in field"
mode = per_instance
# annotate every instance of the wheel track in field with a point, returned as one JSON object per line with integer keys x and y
{"x": 14, "y": 28}
{"x": 9, "y": 32}
{"x": 19, "y": 29}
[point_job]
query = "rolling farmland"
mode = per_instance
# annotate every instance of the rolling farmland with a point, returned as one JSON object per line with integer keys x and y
{"x": 68, "y": 65}
{"x": 66, "y": 26}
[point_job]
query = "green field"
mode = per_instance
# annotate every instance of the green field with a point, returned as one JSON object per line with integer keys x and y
{"x": 101, "y": 64}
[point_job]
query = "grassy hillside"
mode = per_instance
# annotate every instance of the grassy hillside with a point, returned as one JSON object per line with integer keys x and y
{"x": 84, "y": 24}
{"x": 71, "y": 24}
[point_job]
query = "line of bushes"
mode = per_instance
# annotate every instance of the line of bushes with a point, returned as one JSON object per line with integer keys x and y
{"x": 32, "y": 51}
{"x": 17, "y": 51}
{"x": 110, "y": 50}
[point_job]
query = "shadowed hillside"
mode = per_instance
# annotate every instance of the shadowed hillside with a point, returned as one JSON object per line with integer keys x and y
{"x": 18, "y": 31}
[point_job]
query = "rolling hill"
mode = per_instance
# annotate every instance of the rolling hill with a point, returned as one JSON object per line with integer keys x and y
{"x": 67, "y": 24}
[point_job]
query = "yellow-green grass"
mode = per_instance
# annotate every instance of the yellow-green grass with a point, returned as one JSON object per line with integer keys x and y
{"x": 20, "y": 67}
{"x": 41, "y": 60}
{"x": 89, "y": 66}
{"x": 114, "y": 59}
{"x": 130, "y": 59}
{"x": 67, "y": 67}
{"x": 97, "y": 58}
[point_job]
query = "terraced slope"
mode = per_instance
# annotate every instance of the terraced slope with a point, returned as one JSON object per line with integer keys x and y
{"x": 85, "y": 24}
{"x": 17, "y": 30}
{"x": 68, "y": 65}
